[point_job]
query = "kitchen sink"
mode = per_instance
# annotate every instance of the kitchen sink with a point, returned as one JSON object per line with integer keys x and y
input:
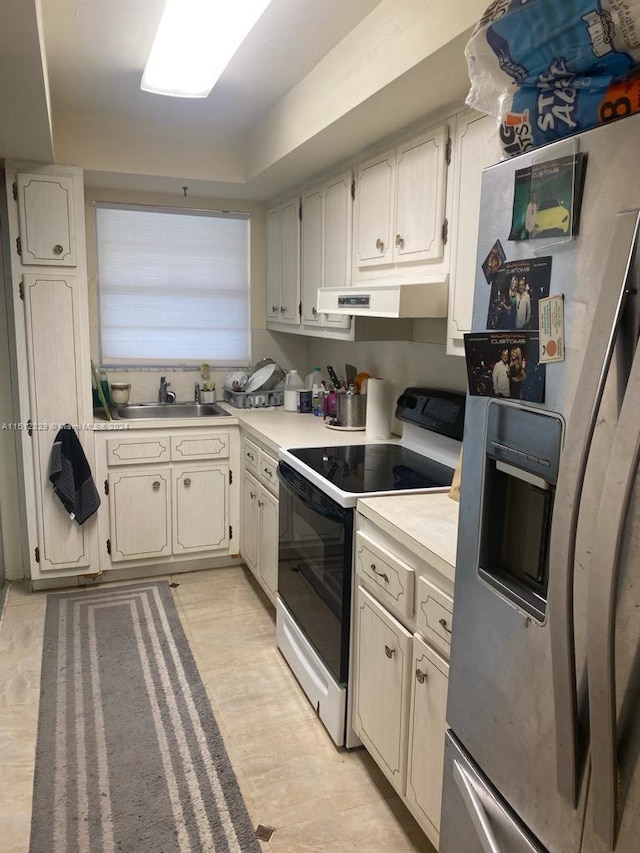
{"x": 171, "y": 410}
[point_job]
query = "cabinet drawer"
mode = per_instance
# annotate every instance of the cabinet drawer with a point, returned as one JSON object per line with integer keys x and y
{"x": 434, "y": 619}
{"x": 250, "y": 455}
{"x": 132, "y": 451}
{"x": 201, "y": 445}
{"x": 269, "y": 472}
{"x": 392, "y": 580}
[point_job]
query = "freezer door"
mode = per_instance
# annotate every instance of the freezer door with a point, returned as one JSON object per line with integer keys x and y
{"x": 474, "y": 817}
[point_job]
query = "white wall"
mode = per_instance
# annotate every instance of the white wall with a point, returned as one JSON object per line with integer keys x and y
{"x": 405, "y": 363}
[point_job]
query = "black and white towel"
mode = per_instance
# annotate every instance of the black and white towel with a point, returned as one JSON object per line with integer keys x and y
{"x": 71, "y": 476}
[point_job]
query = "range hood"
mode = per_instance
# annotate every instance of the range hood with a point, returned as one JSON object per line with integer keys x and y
{"x": 426, "y": 298}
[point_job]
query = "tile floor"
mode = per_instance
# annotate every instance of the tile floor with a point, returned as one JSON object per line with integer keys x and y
{"x": 318, "y": 798}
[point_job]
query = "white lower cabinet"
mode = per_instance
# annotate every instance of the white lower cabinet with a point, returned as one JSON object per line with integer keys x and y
{"x": 427, "y": 727}
{"x": 383, "y": 653}
{"x": 200, "y": 508}
{"x": 400, "y": 672}
{"x": 259, "y": 516}
{"x": 170, "y": 495}
{"x": 140, "y": 514}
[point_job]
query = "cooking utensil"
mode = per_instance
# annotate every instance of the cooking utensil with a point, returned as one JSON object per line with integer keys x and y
{"x": 350, "y": 373}
{"x": 333, "y": 376}
{"x": 361, "y": 382}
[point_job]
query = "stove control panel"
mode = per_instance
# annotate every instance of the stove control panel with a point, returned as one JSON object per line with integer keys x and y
{"x": 434, "y": 409}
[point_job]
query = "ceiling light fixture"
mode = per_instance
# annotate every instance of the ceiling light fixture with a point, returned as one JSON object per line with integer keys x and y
{"x": 195, "y": 42}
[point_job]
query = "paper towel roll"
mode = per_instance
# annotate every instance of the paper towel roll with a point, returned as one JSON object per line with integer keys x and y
{"x": 378, "y": 423}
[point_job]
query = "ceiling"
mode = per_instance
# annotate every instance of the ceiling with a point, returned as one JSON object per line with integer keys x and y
{"x": 314, "y": 82}
{"x": 97, "y": 49}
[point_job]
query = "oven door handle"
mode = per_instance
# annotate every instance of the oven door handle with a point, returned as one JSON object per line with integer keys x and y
{"x": 324, "y": 506}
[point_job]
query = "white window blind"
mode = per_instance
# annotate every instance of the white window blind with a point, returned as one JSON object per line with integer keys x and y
{"x": 173, "y": 286}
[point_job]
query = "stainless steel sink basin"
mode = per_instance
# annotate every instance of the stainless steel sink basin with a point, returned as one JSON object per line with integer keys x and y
{"x": 171, "y": 410}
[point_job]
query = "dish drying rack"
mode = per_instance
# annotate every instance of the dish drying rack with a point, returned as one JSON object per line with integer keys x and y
{"x": 253, "y": 400}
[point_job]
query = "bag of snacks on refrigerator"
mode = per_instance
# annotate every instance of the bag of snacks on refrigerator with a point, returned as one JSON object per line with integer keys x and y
{"x": 549, "y": 69}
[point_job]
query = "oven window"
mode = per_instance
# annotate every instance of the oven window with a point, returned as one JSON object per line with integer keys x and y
{"x": 314, "y": 568}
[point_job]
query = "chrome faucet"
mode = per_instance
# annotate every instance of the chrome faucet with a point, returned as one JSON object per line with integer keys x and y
{"x": 165, "y": 396}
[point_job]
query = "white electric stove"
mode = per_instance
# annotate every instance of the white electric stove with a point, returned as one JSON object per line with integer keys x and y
{"x": 320, "y": 487}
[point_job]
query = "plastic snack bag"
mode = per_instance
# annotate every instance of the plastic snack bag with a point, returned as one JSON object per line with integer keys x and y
{"x": 548, "y": 69}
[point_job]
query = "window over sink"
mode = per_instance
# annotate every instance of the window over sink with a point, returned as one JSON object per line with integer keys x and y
{"x": 173, "y": 286}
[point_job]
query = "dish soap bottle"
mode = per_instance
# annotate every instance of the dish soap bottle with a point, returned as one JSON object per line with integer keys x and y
{"x": 292, "y": 384}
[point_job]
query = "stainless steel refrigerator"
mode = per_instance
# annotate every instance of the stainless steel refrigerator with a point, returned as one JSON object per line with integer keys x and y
{"x": 543, "y": 752}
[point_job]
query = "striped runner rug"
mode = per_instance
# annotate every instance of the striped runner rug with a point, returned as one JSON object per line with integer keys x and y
{"x": 129, "y": 758}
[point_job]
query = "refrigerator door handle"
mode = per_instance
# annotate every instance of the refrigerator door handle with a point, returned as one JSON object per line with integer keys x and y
{"x": 476, "y": 811}
{"x": 622, "y": 469}
{"x": 598, "y": 351}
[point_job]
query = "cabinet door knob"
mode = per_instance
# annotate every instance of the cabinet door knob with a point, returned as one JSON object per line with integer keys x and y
{"x": 274, "y": 309}
{"x": 421, "y": 676}
{"x": 187, "y": 482}
{"x": 260, "y": 504}
{"x": 268, "y": 472}
{"x": 389, "y": 652}
{"x": 283, "y": 308}
{"x": 253, "y": 495}
{"x": 379, "y": 244}
{"x": 57, "y": 249}
{"x": 156, "y": 485}
{"x": 382, "y": 575}
{"x": 314, "y": 310}
{"x": 443, "y": 622}
{"x": 250, "y": 456}
{"x": 399, "y": 241}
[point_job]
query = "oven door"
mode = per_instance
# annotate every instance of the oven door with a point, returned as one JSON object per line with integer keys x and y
{"x": 314, "y": 567}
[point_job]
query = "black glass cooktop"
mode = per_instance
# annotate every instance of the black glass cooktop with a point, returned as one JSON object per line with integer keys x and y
{"x": 364, "y": 468}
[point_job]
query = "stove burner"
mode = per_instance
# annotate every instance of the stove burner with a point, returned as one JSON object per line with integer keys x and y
{"x": 364, "y": 468}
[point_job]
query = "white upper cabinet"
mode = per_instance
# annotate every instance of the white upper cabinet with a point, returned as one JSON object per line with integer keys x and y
{"x": 326, "y": 247}
{"x": 400, "y": 207}
{"x": 420, "y": 198}
{"x": 376, "y": 183}
{"x": 311, "y": 271}
{"x": 47, "y": 220}
{"x": 283, "y": 263}
{"x": 477, "y": 146}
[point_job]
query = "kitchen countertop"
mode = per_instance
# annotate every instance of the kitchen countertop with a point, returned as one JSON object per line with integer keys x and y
{"x": 426, "y": 524}
{"x": 272, "y": 426}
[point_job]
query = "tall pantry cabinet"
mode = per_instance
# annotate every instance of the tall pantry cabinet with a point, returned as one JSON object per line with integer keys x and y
{"x": 46, "y": 284}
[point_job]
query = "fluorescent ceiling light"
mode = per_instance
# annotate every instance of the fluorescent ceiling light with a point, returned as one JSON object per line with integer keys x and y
{"x": 195, "y": 42}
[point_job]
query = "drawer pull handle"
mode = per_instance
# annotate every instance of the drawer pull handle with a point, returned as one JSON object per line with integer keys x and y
{"x": 443, "y": 622}
{"x": 421, "y": 676}
{"x": 268, "y": 472}
{"x": 253, "y": 495}
{"x": 156, "y": 485}
{"x": 260, "y": 504}
{"x": 389, "y": 652}
{"x": 250, "y": 456}
{"x": 187, "y": 482}
{"x": 382, "y": 575}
